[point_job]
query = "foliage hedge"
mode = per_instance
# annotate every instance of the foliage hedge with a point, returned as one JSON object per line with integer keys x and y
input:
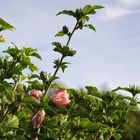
{"x": 91, "y": 114}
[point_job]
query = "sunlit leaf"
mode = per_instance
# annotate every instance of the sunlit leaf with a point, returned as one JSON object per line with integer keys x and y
{"x": 90, "y": 26}
{"x": 67, "y": 12}
{"x": 5, "y": 26}
{"x": 11, "y": 122}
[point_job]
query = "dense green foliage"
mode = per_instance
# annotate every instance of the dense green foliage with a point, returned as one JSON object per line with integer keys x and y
{"x": 91, "y": 115}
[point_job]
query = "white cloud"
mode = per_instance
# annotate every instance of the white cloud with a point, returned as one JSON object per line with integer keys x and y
{"x": 121, "y": 8}
{"x": 129, "y": 3}
{"x": 116, "y": 12}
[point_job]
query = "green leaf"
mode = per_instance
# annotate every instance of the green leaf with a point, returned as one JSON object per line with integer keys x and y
{"x": 92, "y": 89}
{"x": 128, "y": 98}
{"x": 56, "y": 44}
{"x": 67, "y": 12}
{"x": 59, "y": 34}
{"x": 28, "y": 100}
{"x": 52, "y": 78}
{"x": 36, "y": 55}
{"x": 5, "y": 26}
{"x": 132, "y": 108}
{"x": 58, "y": 47}
{"x": 35, "y": 76}
{"x": 56, "y": 62}
{"x": 72, "y": 52}
{"x": 63, "y": 67}
{"x": 68, "y": 51}
{"x": 90, "y": 26}
{"x": 11, "y": 122}
{"x": 97, "y": 7}
{"x": 117, "y": 136}
{"x": 14, "y": 52}
{"x": 88, "y": 9}
{"x": 84, "y": 19}
{"x": 65, "y": 29}
{"x": 32, "y": 67}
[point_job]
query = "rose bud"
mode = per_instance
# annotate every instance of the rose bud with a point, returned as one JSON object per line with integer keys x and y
{"x": 60, "y": 98}
{"x": 35, "y": 93}
{"x": 37, "y": 120}
{"x": 43, "y": 75}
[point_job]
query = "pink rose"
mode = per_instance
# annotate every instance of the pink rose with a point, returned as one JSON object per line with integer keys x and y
{"x": 35, "y": 93}
{"x": 60, "y": 98}
{"x": 37, "y": 120}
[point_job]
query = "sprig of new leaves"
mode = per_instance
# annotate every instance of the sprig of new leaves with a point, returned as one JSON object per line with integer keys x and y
{"x": 4, "y": 26}
{"x": 82, "y": 17}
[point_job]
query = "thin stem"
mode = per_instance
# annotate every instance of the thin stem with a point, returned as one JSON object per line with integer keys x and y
{"x": 6, "y": 113}
{"x": 13, "y": 99}
{"x": 15, "y": 86}
{"x": 115, "y": 129}
{"x": 36, "y": 138}
{"x": 61, "y": 60}
{"x": 75, "y": 28}
{"x": 96, "y": 135}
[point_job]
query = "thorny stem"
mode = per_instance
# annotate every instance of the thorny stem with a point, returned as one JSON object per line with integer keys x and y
{"x": 61, "y": 60}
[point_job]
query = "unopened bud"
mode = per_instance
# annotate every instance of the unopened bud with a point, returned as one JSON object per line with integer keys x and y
{"x": 37, "y": 120}
{"x": 43, "y": 75}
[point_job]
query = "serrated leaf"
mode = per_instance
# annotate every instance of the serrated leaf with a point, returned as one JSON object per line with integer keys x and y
{"x": 58, "y": 47}
{"x": 56, "y": 44}
{"x": 90, "y": 26}
{"x": 11, "y": 122}
{"x": 72, "y": 52}
{"x": 56, "y": 62}
{"x": 66, "y": 49}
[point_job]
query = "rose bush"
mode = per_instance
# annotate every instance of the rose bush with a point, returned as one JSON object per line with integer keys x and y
{"x": 69, "y": 114}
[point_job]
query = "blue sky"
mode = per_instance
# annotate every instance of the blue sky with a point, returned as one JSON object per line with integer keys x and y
{"x": 109, "y": 57}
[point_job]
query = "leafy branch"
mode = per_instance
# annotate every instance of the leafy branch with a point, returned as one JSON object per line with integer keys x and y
{"x": 61, "y": 60}
{"x": 82, "y": 16}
